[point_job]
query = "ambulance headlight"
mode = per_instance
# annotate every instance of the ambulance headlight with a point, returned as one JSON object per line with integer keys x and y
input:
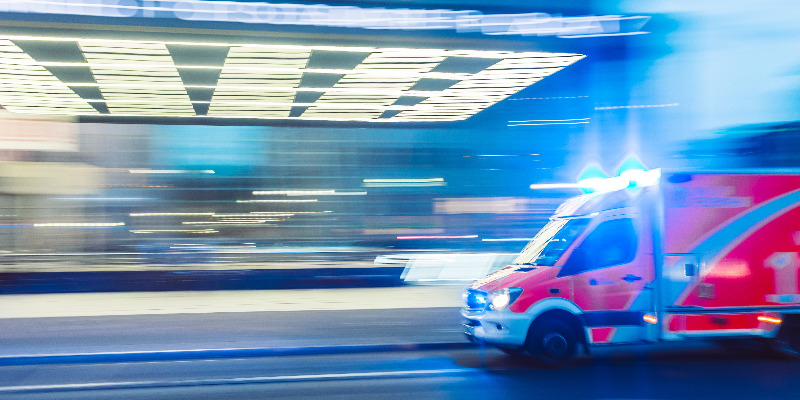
{"x": 503, "y": 298}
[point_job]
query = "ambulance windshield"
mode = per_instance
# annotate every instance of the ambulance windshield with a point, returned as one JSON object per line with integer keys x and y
{"x": 554, "y": 238}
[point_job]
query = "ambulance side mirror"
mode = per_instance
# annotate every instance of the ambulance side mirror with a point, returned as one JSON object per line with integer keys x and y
{"x": 690, "y": 269}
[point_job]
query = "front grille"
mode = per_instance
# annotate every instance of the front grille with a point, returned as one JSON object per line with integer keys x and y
{"x": 472, "y": 323}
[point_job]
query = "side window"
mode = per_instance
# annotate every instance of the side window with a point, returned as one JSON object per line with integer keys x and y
{"x": 561, "y": 241}
{"x": 611, "y": 243}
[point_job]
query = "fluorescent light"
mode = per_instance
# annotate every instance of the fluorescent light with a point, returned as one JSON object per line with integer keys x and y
{"x": 139, "y": 78}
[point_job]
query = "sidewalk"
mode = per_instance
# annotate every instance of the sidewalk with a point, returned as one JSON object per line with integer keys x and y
{"x": 220, "y": 301}
{"x": 153, "y": 326}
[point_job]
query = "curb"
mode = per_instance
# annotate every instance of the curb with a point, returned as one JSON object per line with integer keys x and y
{"x": 202, "y": 354}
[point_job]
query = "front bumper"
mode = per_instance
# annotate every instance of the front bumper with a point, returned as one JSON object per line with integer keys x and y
{"x": 469, "y": 330}
{"x": 499, "y": 328}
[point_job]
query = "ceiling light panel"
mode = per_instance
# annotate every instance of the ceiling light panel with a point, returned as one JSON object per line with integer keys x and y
{"x": 392, "y": 69}
{"x": 261, "y": 70}
{"x": 141, "y": 78}
{"x": 113, "y": 66}
{"x": 489, "y": 86}
{"x": 30, "y": 88}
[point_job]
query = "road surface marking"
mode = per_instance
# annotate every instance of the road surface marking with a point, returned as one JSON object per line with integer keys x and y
{"x": 236, "y": 381}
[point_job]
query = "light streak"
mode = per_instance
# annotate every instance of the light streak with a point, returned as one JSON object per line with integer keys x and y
{"x": 533, "y": 122}
{"x": 438, "y": 237}
{"x": 404, "y": 182}
{"x": 278, "y": 201}
{"x": 504, "y": 155}
{"x": 270, "y": 213}
{"x": 306, "y": 193}
{"x": 768, "y": 319}
{"x": 466, "y": 21}
{"x": 293, "y": 192}
{"x": 78, "y": 224}
{"x": 169, "y": 214}
{"x": 536, "y": 186}
{"x": 169, "y": 171}
{"x": 508, "y": 240}
{"x": 602, "y": 35}
{"x": 242, "y": 222}
{"x": 638, "y": 106}
{"x": 146, "y": 231}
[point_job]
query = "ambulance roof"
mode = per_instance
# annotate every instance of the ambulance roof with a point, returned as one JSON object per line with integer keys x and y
{"x": 594, "y": 202}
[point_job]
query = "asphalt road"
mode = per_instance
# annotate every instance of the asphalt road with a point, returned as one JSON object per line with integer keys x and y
{"x": 444, "y": 374}
{"x": 367, "y": 369}
{"x": 249, "y": 330}
{"x": 381, "y": 343}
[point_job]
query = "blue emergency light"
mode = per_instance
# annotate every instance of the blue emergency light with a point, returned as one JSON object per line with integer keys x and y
{"x": 632, "y": 178}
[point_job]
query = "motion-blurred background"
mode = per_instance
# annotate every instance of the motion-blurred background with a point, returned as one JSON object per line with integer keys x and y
{"x": 202, "y": 133}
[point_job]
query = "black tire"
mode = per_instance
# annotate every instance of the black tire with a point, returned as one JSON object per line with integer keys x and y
{"x": 551, "y": 343}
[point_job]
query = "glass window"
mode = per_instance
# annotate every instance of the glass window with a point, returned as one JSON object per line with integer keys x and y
{"x": 551, "y": 241}
{"x": 611, "y": 243}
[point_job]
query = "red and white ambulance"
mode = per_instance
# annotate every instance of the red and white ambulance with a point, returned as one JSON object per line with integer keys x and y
{"x": 697, "y": 255}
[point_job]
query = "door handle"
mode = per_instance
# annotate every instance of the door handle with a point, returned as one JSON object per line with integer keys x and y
{"x": 631, "y": 278}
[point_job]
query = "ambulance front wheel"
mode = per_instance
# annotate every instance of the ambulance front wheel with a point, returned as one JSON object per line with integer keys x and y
{"x": 551, "y": 343}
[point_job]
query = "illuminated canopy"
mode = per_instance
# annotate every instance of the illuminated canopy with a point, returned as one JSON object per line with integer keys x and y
{"x": 148, "y": 78}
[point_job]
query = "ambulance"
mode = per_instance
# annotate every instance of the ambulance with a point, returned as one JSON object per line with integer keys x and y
{"x": 655, "y": 257}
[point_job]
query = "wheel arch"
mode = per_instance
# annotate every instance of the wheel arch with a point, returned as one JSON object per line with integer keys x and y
{"x": 572, "y": 320}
